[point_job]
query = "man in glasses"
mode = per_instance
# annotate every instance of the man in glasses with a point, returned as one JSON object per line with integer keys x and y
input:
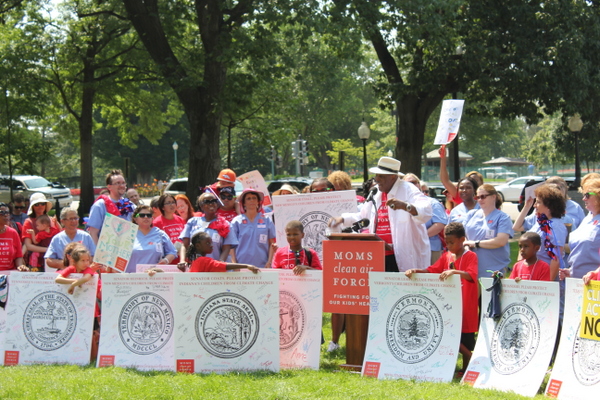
{"x": 19, "y": 207}
{"x": 397, "y": 214}
{"x": 114, "y": 203}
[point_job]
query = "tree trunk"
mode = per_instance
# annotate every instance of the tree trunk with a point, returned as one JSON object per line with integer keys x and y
{"x": 86, "y": 121}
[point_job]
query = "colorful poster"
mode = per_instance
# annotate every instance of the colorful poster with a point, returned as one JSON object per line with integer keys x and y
{"x": 254, "y": 180}
{"x": 513, "y": 352}
{"x": 449, "y": 121}
{"x": 137, "y": 321}
{"x": 576, "y": 371}
{"x": 115, "y": 243}
{"x": 226, "y": 322}
{"x": 346, "y": 267}
{"x": 314, "y": 210}
{"x": 590, "y": 312}
{"x": 47, "y": 325}
{"x": 414, "y": 327}
{"x": 165, "y": 267}
{"x": 300, "y": 318}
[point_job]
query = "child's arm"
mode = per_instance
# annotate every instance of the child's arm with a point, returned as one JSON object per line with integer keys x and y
{"x": 463, "y": 274}
{"x": 33, "y": 239}
{"x": 153, "y": 271}
{"x": 252, "y": 268}
{"x": 271, "y": 253}
{"x": 74, "y": 282}
{"x": 415, "y": 271}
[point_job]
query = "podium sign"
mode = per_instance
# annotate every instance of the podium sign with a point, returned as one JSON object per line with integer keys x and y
{"x": 346, "y": 267}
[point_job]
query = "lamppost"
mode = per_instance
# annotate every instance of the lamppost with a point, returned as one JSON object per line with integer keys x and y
{"x": 175, "y": 147}
{"x": 575, "y": 125}
{"x": 363, "y": 133}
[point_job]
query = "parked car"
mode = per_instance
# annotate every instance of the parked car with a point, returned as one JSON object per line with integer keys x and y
{"x": 497, "y": 173}
{"x": 299, "y": 183}
{"x": 179, "y": 186}
{"x": 511, "y": 191}
{"x": 29, "y": 184}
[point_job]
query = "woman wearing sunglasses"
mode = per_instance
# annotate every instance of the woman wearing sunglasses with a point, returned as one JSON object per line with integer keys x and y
{"x": 151, "y": 246}
{"x": 11, "y": 256}
{"x": 488, "y": 230}
{"x": 585, "y": 240}
{"x": 217, "y": 227}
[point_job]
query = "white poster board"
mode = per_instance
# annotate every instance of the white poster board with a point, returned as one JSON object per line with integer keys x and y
{"x": 226, "y": 321}
{"x": 300, "y": 318}
{"x": 513, "y": 353}
{"x": 255, "y": 180}
{"x": 137, "y": 321}
{"x": 449, "y": 121}
{"x": 576, "y": 371}
{"x": 530, "y": 190}
{"x": 414, "y": 327}
{"x": 45, "y": 324}
{"x": 2, "y": 326}
{"x": 115, "y": 243}
{"x": 314, "y": 210}
{"x": 142, "y": 268}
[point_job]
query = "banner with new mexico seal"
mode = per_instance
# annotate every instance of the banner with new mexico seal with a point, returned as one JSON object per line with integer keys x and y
{"x": 45, "y": 324}
{"x": 414, "y": 327}
{"x": 576, "y": 371}
{"x": 137, "y": 321}
{"x": 227, "y": 321}
{"x": 513, "y": 352}
{"x": 300, "y": 318}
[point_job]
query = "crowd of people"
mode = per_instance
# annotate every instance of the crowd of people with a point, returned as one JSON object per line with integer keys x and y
{"x": 468, "y": 236}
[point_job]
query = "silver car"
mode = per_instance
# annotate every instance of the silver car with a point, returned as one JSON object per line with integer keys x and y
{"x": 29, "y": 184}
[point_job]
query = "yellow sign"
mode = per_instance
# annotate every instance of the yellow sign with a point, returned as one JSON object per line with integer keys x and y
{"x": 590, "y": 312}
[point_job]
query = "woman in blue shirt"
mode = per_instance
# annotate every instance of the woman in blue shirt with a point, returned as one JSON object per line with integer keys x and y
{"x": 152, "y": 246}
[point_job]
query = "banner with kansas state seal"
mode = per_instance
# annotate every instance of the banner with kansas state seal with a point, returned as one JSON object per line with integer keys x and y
{"x": 45, "y": 324}
{"x": 226, "y": 321}
{"x": 137, "y": 321}
{"x": 115, "y": 243}
{"x": 314, "y": 210}
{"x": 513, "y": 352}
{"x": 576, "y": 371}
{"x": 414, "y": 327}
{"x": 300, "y": 318}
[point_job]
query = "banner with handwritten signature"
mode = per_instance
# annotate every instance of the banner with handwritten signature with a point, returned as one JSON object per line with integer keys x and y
{"x": 226, "y": 321}
{"x": 414, "y": 327}
{"x": 513, "y": 352}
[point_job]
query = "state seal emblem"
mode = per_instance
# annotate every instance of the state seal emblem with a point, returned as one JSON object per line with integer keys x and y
{"x": 586, "y": 360}
{"x": 49, "y": 320}
{"x": 292, "y": 320}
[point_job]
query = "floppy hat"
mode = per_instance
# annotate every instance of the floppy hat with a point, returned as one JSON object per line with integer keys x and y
{"x": 227, "y": 175}
{"x": 387, "y": 166}
{"x": 289, "y": 188}
{"x": 37, "y": 198}
{"x": 260, "y": 195}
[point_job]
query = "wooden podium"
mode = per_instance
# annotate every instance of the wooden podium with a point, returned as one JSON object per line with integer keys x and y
{"x": 364, "y": 253}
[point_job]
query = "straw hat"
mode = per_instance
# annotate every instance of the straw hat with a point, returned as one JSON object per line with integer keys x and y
{"x": 37, "y": 198}
{"x": 387, "y": 166}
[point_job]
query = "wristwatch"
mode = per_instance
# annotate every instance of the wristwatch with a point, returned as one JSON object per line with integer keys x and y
{"x": 408, "y": 207}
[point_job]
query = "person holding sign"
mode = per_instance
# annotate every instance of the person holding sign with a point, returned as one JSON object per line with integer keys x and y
{"x": 467, "y": 187}
{"x": 294, "y": 256}
{"x": 151, "y": 245}
{"x": 452, "y": 189}
{"x": 459, "y": 261}
{"x": 398, "y": 213}
{"x": 200, "y": 247}
{"x": 77, "y": 260}
{"x": 114, "y": 204}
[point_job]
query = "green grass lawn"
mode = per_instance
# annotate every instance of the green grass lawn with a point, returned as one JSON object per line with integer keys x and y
{"x": 73, "y": 382}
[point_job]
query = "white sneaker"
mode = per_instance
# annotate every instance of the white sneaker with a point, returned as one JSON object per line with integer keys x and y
{"x": 332, "y": 347}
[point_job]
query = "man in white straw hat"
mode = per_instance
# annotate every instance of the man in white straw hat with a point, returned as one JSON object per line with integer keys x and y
{"x": 397, "y": 213}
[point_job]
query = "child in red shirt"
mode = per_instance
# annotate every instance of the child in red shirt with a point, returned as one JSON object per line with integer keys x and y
{"x": 201, "y": 244}
{"x": 43, "y": 237}
{"x": 77, "y": 260}
{"x": 530, "y": 267}
{"x": 463, "y": 262}
{"x": 294, "y": 256}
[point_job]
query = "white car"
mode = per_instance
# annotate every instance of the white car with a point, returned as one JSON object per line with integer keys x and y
{"x": 511, "y": 191}
{"x": 29, "y": 184}
{"x": 179, "y": 186}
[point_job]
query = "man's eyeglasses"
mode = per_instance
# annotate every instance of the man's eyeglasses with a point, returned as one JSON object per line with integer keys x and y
{"x": 211, "y": 201}
{"x": 587, "y": 195}
{"x": 226, "y": 197}
{"x": 144, "y": 215}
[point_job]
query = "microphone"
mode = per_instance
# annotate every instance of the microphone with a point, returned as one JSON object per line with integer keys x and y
{"x": 357, "y": 226}
{"x": 372, "y": 193}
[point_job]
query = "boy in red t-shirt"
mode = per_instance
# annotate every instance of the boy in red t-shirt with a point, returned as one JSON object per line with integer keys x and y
{"x": 530, "y": 267}
{"x": 201, "y": 244}
{"x": 463, "y": 262}
{"x": 294, "y": 256}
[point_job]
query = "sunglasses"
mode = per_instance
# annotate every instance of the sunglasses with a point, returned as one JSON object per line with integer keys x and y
{"x": 322, "y": 190}
{"x": 211, "y": 201}
{"x": 587, "y": 195}
{"x": 20, "y": 207}
{"x": 226, "y": 197}
{"x": 3, "y": 212}
{"x": 482, "y": 196}
{"x": 144, "y": 215}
